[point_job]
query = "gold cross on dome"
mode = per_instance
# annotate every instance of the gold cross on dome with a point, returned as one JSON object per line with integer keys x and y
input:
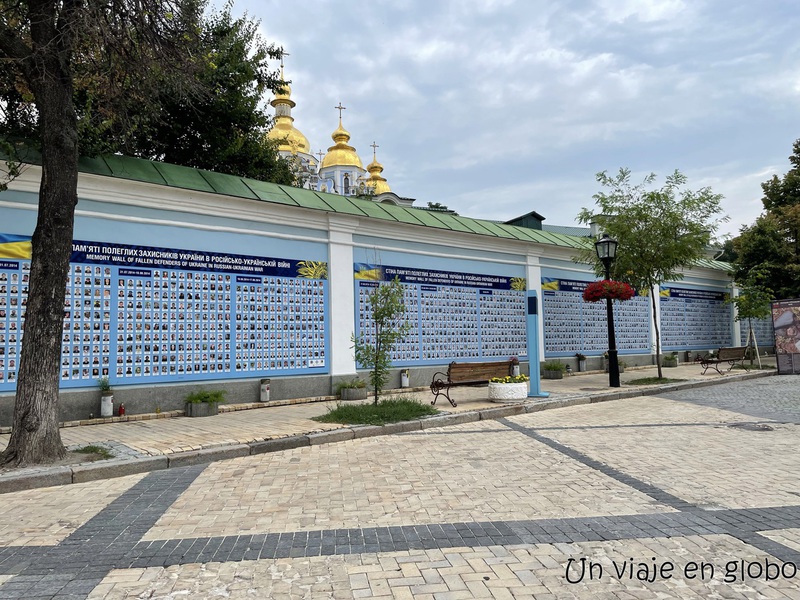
{"x": 374, "y": 147}
{"x": 340, "y": 108}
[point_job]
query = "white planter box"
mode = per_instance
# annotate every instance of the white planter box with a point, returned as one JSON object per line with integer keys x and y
{"x": 505, "y": 392}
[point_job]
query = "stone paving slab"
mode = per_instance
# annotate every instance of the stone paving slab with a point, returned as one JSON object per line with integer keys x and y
{"x": 46, "y": 516}
{"x": 263, "y": 430}
{"x": 440, "y": 479}
{"x": 699, "y": 457}
{"x": 515, "y": 571}
{"x": 787, "y": 537}
{"x": 506, "y": 508}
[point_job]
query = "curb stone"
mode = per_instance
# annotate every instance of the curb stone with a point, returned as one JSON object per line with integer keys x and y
{"x": 451, "y": 419}
{"x": 334, "y": 435}
{"x": 56, "y": 476}
{"x": 116, "y": 468}
{"x": 27, "y": 481}
{"x": 278, "y": 444}
{"x": 207, "y": 455}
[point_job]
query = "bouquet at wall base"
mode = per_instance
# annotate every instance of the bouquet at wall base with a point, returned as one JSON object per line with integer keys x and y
{"x": 607, "y": 288}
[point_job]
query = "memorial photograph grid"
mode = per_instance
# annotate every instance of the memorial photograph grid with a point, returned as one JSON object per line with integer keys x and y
{"x": 764, "y": 330}
{"x": 572, "y": 325}
{"x": 452, "y": 322}
{"x": 694, "y": 318}
{"x": 135, "y": 325}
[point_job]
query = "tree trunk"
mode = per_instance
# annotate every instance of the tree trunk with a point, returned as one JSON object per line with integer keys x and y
{"x": 658, "y": 334}
{"x": 35, "y": 437}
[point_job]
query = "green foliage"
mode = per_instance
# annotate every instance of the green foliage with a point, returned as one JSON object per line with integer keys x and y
{"x": 772, "y": 243}
{"x": 753, "y": 302}
{"x": 389, "y": 410}
{"x": 441, "y": 207}
{"x": 388, "y": 328}
{"x": 104, "y": 384}
{"x": 211, "y": 116}
{"x": 225, "y": 129}
{"x": 510, "y": 379}
{"x": 554, "y": 365}
{"x": 354, "y": 384}
{"x": 208, "y": 396}
{"x": 660, "y": 231}
{"x": 97, "y": 452}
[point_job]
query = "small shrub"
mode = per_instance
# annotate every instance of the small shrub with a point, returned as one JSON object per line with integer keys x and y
{"x": 554, "y": 365}
{"x": 350, "y": 384}
{"x": 104, "y": 384}
{"x": 211, "y": 397}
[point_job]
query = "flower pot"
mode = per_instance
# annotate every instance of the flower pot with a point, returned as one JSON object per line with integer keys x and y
{"x": 515, "y": 370}
{"x": 582, "y": 366}
{"x": 553, "y": 374}
{"x": 107, "y": 405}
{"x": 669, "y": 363}
{"x": 201, "y": 409}
{"x": 508, "y": 392}
{"x": 353, "y": 393}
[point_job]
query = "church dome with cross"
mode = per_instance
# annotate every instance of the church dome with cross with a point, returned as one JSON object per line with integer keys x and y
{"x": 340, "y": 170}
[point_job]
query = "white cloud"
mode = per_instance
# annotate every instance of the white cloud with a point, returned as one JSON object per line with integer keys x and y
{"x": 646, "y": 11}
{"x": 522, "y": 101}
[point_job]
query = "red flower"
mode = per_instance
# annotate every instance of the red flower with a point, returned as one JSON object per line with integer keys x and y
{"x": 600, "y": 290}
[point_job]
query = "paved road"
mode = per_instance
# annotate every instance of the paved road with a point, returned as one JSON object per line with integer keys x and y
{"x": 690, "y": 494}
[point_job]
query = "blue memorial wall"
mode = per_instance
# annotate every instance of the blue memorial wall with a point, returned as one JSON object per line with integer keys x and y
{"x": 694, "y": 319}
{"x": 764, "y": 330}
{"x": 453, "y": 315}
{"x": 572, "y": 325}
{"x": 141, "y": 314}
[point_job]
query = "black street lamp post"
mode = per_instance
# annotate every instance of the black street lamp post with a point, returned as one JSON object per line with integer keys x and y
{"x": 606, "y": 248}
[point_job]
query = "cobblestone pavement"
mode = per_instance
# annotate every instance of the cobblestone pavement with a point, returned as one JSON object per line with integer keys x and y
{"x": 689, "y": 494}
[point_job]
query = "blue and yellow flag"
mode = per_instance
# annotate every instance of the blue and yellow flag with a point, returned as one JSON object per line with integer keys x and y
{"x": 15, "y": 246}
{"x": 367, "y": 272}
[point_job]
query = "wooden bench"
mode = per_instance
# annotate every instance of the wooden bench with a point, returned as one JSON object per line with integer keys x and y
{"x": 473, "y": 373}
{"x": 724, "y": 355}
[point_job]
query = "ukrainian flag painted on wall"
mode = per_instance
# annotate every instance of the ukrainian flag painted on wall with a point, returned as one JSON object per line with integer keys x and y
{"x": 367, "y": 272}
{"x": 550, "y": 283}
{"x": 15, "y": 246}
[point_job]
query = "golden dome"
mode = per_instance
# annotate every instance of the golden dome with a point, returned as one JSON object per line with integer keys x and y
{"x": 341, "y": 154}
{"x": 375, "y": 181}
{"x": 289, "y": 138}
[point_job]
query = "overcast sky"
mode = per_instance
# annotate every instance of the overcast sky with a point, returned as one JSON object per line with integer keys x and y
{"x": 499, "y": 107}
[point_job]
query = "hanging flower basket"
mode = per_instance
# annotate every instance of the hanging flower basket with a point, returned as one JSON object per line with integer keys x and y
{"x": 607, "y": 288}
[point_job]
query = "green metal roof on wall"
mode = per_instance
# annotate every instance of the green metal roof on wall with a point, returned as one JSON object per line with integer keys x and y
{"x": 183, "y": 177}
{"x": 227, "y": 185}
{"x": 137, "y": 169}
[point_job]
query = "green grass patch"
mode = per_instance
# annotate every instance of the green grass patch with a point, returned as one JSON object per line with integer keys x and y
{"x": 97, "y": 452}
{"x": 390, "y": 410}
{"x": 653, "y": 381}
{"x": 754, "y": 367}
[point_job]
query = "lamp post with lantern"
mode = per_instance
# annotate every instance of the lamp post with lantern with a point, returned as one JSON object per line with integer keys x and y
{"x": 606, "y": 248}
